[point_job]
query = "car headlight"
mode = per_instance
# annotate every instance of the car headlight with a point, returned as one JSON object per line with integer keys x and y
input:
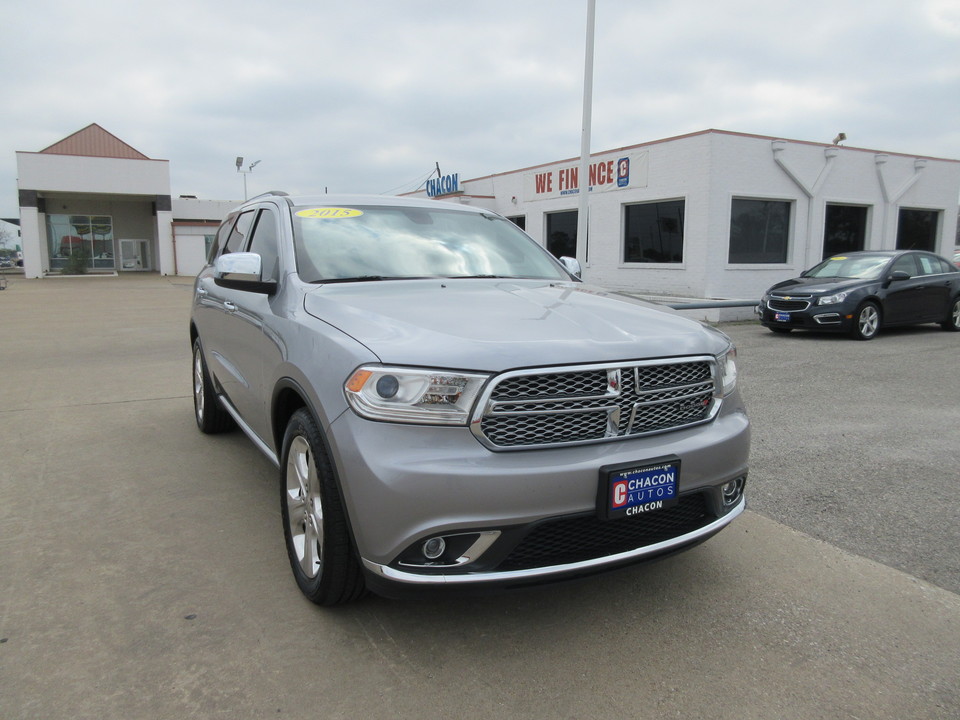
{"x": 413, "y": 395}
{"x": 727, "y": 366}
{"x": 833, "y": 299}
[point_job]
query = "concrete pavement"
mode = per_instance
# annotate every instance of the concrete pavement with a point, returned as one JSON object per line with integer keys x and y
{"x": 143, "y": 575}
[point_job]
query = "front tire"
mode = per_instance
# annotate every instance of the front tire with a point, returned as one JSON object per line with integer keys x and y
{"x": 314, "y": 523}
{"x": 866, "y": 322}
{"x": 952, "y": 322}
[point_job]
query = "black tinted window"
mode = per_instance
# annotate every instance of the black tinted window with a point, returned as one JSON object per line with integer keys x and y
{"x": 238, "y": 237}
{"x": 265, "y": 242}
{"x": 905, "y": 263}
{"x": 759, "y": 231}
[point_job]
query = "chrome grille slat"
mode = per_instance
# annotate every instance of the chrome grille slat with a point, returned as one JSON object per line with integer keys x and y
{"x": 548, "y": 407}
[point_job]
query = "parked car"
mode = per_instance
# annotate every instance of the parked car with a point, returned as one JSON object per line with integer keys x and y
{"x": 450, "y": 407}
{"x": 861, "y": 292}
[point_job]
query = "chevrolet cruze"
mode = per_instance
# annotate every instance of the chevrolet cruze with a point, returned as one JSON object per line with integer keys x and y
{"x": 861, "y": 292}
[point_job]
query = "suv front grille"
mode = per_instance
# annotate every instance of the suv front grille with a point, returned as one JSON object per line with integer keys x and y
{"x": 569, "y": 540}
{"x": 533, "y": 408}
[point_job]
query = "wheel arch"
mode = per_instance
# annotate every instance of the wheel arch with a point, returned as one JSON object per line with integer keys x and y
{"x": 289, "y": 397}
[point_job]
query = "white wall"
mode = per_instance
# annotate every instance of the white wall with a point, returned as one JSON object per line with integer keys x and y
{"x": 708, "y": 170}
{"x": 92, "y": 175}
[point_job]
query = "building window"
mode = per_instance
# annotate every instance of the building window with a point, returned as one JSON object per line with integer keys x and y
{"x": 917, "y": 229}
{"x": 844, "y": 229}
{"x": 759, "y": 231}
{"x": 519, "y": 220}
{"x": 562, "y": 233}
{"x": 653, "y": 232}
{"x": 80, "y": 242}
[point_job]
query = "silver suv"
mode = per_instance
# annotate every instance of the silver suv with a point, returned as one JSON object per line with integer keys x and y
{"x": 450, "y": 406}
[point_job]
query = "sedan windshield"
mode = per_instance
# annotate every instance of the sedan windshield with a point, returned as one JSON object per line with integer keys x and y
{"x": 371, "y": 243}
{"x": 864, "y": 267}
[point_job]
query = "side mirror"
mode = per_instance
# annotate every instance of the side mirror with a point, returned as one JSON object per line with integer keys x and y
{"x": 572, "y": 265}
{"x": 899, "y": 275}
{"x": 241, "y": 271}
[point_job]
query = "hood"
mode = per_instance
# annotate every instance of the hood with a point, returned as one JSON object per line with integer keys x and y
{"x": 815, "y": 286}
{"x": 492, "y": 325}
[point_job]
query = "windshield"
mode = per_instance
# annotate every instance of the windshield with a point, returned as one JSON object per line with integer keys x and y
{"x": 864, "y": 267}
{"x": 382, "y": 243}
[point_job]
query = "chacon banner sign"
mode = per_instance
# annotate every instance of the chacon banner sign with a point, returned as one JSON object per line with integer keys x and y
{"x": 616, "y": 173}
{"x": 446, "y": 185}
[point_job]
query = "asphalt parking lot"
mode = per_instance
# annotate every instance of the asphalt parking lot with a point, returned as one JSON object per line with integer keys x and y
{"x": 144, "y": 574}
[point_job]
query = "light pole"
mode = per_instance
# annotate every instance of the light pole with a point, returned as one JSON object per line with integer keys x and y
{"x": 583, "y": 174}
{"x": 245, "y": 172}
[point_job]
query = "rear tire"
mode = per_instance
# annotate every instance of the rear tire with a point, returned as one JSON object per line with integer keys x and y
{"x": 315, "y": 528}
{"x": 866, "y": 322}
{"x": 211, "y": 417}
{"x": 952, "y": 322}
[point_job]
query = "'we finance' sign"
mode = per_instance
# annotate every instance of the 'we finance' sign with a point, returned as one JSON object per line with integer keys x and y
{"x": 616, "y": 173}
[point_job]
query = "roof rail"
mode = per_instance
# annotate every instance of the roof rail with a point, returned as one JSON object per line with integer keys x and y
{"x": 269, "y": 193}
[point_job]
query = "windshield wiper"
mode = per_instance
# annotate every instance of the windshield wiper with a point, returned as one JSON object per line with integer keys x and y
{"x": 364, "y": 278}
{"x": 473, "y": 277}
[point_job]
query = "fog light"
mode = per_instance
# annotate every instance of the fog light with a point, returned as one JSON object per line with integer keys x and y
{"x": 732, "y": 491}
{"x": 433, "y": 548}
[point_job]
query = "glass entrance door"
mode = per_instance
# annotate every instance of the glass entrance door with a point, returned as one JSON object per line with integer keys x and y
{"x": 134, "y": 255}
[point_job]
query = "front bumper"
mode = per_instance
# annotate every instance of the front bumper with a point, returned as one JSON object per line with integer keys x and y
{"x": 386, "y": 579}
{"x": 404, "y": 484}
{"x": 824, "y": 318}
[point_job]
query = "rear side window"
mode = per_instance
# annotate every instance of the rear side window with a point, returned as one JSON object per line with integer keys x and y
{"x": 932, "y": 265}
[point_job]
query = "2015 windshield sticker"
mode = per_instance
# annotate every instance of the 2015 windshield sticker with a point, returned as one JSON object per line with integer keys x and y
{"x": 329, "y": 213}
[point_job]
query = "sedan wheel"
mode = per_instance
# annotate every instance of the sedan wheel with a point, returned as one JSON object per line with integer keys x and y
{"x": 953, "y": 319}
{"x": 866, "y": 321}
{"x": 318, "y": 540}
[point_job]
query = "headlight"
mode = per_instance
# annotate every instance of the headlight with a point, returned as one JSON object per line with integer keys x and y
{"x": 833, "y": 299}
{"x": 413, "y": 395}
{"x": 727, "y": 366}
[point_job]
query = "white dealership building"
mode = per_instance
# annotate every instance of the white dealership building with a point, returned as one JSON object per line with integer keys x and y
{"x": 718, "y": 214}
{"x": 92, "y": 203}
{"x": 712, "y": 214}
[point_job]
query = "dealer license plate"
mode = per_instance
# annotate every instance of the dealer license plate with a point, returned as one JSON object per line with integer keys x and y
{"x": 634, "y": 490}
{"x": 781, "y": 317}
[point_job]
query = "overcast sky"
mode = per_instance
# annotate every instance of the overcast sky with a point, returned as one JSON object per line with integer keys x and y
{"x": 368, "y": 95}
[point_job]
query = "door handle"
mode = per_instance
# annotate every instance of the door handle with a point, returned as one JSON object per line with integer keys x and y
{"x": 229, "y": 306}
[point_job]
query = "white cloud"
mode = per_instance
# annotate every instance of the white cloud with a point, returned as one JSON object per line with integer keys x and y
{"x": 368, "y": 96}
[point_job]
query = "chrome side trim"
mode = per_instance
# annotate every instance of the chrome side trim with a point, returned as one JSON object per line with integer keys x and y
{"x": 409, "y": 578}
{"x": 261, "y": 445}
